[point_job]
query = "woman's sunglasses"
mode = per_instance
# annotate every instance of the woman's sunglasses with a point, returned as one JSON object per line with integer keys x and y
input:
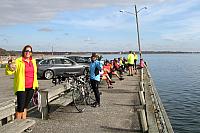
{"x": 28, "y": 51}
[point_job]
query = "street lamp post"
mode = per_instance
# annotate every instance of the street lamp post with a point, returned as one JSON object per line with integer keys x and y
{"x": 137, "y": 27}
{"x": 138, "y": 34}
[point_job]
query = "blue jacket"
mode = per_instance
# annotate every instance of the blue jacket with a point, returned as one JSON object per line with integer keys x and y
{"x": 93, "y": 65}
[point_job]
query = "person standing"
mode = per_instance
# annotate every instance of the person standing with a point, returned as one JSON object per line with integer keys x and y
{"x": 130, "y": 60}
{"x": 25, "y": 79}
{"x": 135, "y": 62}
{"x": 95, "y": 67}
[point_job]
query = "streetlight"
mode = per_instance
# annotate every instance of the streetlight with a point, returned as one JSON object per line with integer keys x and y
{"x": 137, "y": 25}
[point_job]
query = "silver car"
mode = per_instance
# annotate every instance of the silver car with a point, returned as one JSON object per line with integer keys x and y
{"x": 56, "y": 66}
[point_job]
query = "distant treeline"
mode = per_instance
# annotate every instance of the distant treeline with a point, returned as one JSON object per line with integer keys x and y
{"x": 3, "y": 52}
{"x": 168, "y": 52}
{"x": 126, "y": 52}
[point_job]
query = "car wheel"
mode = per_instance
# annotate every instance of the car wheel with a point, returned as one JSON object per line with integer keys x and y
{"x": 48, "y": 74}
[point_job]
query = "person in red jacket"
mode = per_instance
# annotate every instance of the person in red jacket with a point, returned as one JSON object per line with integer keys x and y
{"x": 105, "y": 75}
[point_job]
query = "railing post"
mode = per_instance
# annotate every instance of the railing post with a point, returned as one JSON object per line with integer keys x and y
{"x": 143, "y": 102}
{"x": 44, "y": 104}
{"x": 143, "y": 120}
{"x": 142, "y": 75}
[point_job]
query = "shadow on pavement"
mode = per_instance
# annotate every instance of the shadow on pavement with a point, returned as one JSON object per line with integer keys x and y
{"x": 114, "y": 129}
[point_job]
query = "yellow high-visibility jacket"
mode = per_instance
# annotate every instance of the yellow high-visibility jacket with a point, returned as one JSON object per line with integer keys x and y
{"x": 19, "y": 75}
{"x": 130, "y": 59}
{"x": 135, "y": 57}
{"x": 121, "y": 63}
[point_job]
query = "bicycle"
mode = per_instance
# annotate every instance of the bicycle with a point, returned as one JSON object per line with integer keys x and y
{"x": 78, "y": 94}
{"x": 82, "y": 94}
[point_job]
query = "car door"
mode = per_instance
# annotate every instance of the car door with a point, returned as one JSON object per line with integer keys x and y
{"x": 58, "y": 66}
{"x": 70, "y": 67}
{"x": 42, "y": 66}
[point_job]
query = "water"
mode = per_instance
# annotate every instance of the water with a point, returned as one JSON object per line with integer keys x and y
{"x": 177, "y": 79}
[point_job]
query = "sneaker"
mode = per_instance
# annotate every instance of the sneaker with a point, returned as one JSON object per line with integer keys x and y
{"x": 121, "y": 78}
{"x": 98, "y": 105}
{"x": 94, "y": 105}
{"x": 112, "y": 81}
{"x": 110, "y": 87}
{"x": 28, "y": 130}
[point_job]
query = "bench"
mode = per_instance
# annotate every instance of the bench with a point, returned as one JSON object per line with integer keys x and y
{"x": 59, "y": 94}
{"x": 8, "y": 123}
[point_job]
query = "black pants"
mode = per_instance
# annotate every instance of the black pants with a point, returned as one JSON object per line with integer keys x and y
{"x": 110, "y": 75}
{"x": 95, "y": 87}
{"x": 24, "y": 98}
{"x": 135, "y": 65}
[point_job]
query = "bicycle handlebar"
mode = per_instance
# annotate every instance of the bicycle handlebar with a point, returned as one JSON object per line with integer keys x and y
{"x": 60, "y": 78}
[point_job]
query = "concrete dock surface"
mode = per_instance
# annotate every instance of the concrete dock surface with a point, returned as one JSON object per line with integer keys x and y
{"x": 118, "y": 111}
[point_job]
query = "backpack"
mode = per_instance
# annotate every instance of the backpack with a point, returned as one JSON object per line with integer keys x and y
{"x": 96, "y": 71}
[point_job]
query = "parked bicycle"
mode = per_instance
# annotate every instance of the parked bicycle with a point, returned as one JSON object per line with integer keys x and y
{"x": 82, "y": 94}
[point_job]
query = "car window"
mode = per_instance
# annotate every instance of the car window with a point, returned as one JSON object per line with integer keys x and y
{"x": 72, "y": 58}
{"x": 88, "y": 59}
{"x": 80, "y": 60}
{"x": 66, "y": 62}
{"x": 44, "y": 62}
{"x": 38, "y": 60}
{"x": 57, "y": 61}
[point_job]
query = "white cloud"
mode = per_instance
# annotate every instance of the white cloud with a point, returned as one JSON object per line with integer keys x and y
{"x": 28, "y": 11}
{"x": 175, "y": 23}
{"x": 45, "y": 29}
{"x": 161, "y": 11}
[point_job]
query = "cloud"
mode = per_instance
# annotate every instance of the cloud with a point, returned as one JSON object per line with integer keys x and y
{"x": 88, "y": 39}
{"x": 163, "y": 11}
{"x": 174, "y": 22}
{"x": 29, "y": 11}
{"x": 66, "y": 34}
{"x": 5, "y": 40}
{"x": 107, "y": 19}
{"x": 45, "y": 30}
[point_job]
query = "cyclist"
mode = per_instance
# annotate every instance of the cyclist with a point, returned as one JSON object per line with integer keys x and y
{"x": 24, "y": 69}
{"x": 130, "y": 61}
{"x": 95, "y": 67}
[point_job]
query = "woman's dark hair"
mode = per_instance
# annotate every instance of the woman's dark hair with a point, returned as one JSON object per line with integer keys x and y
{"x": 24, "y": 49}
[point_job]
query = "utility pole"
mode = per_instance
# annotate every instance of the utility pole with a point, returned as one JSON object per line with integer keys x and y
{"x": 52, "y": 49}
{"x": 138, "y": 34}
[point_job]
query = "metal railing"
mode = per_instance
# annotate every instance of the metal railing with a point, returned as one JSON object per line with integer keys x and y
{"x": 154, "y": 116}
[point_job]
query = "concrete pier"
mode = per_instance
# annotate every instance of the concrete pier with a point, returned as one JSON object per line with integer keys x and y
{"x": 124, "y": 108}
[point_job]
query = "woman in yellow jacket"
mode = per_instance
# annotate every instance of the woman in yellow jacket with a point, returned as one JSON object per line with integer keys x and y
{"x": 24, "y": 69}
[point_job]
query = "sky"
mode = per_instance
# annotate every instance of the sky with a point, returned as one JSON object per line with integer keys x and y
{"x": 98, "y": 25}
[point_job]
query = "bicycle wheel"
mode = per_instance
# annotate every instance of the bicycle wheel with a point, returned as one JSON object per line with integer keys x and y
{"x": 78, "y": 96}
{"x": 90, "y": 97}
